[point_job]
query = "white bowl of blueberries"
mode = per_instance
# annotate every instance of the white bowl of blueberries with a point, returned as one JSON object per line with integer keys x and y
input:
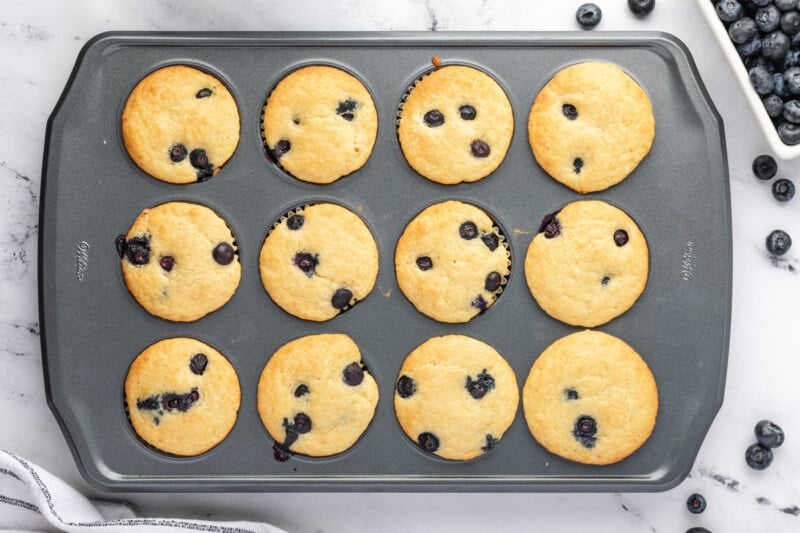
{"x": 761, "y": 39}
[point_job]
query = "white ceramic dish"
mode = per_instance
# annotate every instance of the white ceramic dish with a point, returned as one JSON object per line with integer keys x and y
{"x": 779, "y": 148}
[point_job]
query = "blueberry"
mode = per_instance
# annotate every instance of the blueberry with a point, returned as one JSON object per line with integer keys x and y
{"x": 353, "y": 374}
{"x": 480, "y": 303}
{"x": 767, "y": 18}
{"x": 406, "y": 387}
{"x": 775, "y": 45}
{"x": 778, "y": 242}
{"x": 769, "y": 434}
{"x": 729, "y": 10}
{"x": 605, "y": 280}
{"x": 301, "y": 390}
{"x": 345, "y": 109}
{"x": 750, "y": 48}
{"x": 491, "y": 240}
{"x": 620, "y": 237}
{"x": 758, "y": 3}
{"x": 203, "y": 174}
{"x": 341, "y": 298}
{"x": 569, "y": 111}
{"x": 493, "y": 281}
{"x": 433, "y": 118}
{"x": 491, "y": 442}
{"x": 790, "y": 23}
{"x": 780, "y": 84}
{"x": 468, "y": 230}
{"x": 585, "y": 430}
{"x": 791, "y": 59}
{"x": 302, "y": 423}
{"x": 697, "y": 529}
{"x": 791, "y": 111}
{"x": 481, "y": 385}
{"x": 467, "y": 112}
{"x": 177, "y": 153}
{"x": 280, "y": 149}
{"x": 791, "y": 79}
{"x": 696, "y": 503}
{"x": 571, "y": 394}
{"x": 424, "y": 262}
{"x": 774, "y": 105}
{"x": 306, "y": 262}
{"x": 758, "y": 60}
{"x": 223, "y": 253}
{"x": 295, "y": 222}
{"x": 795, "y": 40}
{"x": 181, "y": 402}
{"x": 203, "y": 93}
{"x": 479, "y": 148}
{"x": 428, "y": 442}
{"x": 577, "y": 165}
{"x": 765, "y": 167}
{"x": 550, "y": 225}
{"x": 167, "y": 262}
{"x": 785, "y": 5}
{"x": 758, "y": 457}
{"x": 742, "y": 30}
{"x": 761, "y": 80}
{"x": 640, "y": 8}
{"x": 198, "y": 158}
{"x": 789, "y": 133}
{"x": 783, "y": 190}
{"x": 589, "y": 15}
{"x": 137, "y": 250}
{"x": 198, "y": 364}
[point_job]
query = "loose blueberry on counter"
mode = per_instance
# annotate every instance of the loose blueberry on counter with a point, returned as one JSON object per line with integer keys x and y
{"x": 467, "y": 112}
{"x": 406, "y": 387}
{"x": 761, "y": 80}
{"x": 480, "y": 149}
{"x": 295, "y": 222}
{"x": 353, "y": 374}
{"x": 767, "y": 18}
{"x": 569, "y": 111}
{"x": 550, "y": 225}
{"x": 433, "y": 118}
{"x": 585, "y": 430}
{"x": 177, "y": 153}
{"x": 341, "y": 298}
{"x": 589, "y": 15}
{"x": 301, "y": 390}
{"x": 479, "y": 387}
{"x": 424, "y": 263}
{"x": 696, "y": 503}
{"x": 728, "y": 10}
{"x": 742, "y": 30}
{"x": 198, "y": 364}
{"x": 641, "y": 8}
{"x": 306, "y": 262}
{"x": 783, "y": 190}
{"x": 769, "y": 434}
{"x": 765, "y": 167}
{"x": 758, "y": 457}
{"x": 778, "y": 242}
{"x": 223, "y": 253}
{"x": 428, "y": 442}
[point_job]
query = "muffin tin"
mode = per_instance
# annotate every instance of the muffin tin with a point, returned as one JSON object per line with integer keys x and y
{"x": 92, "y": 328}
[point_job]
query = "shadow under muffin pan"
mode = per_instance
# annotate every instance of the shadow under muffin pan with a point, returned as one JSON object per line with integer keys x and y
{"x": 91, "y": 191}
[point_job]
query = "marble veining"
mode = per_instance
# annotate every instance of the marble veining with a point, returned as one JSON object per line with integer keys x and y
{"x": 40, "y": 40}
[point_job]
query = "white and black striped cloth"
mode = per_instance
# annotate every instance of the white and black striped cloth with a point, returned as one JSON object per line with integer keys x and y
{"x": 32, "y": 499}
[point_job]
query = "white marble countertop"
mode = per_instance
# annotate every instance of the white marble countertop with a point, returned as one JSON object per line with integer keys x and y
{"x": 40, "y": 41}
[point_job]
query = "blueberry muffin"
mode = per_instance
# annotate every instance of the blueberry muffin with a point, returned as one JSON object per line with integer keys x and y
{"x": 590, "y": 126}
{"x": 180, "y": 261}
{"x": 318, "y": 261}
{"x": 319, "y": 124}
{"x": 180, "y": 124}
{"x": 315, "y": 395}
{"x": 455, "y": 397}
{"x": 182, "y": 396}
{"x": 588, "y": 263}
{"x": 590, "y": 398}
{"x": 452, "y": 262}
{"x": 455, "y": 125}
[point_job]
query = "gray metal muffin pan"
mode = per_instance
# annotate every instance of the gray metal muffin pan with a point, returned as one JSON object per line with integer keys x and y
{"x": 92, "y": 328}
